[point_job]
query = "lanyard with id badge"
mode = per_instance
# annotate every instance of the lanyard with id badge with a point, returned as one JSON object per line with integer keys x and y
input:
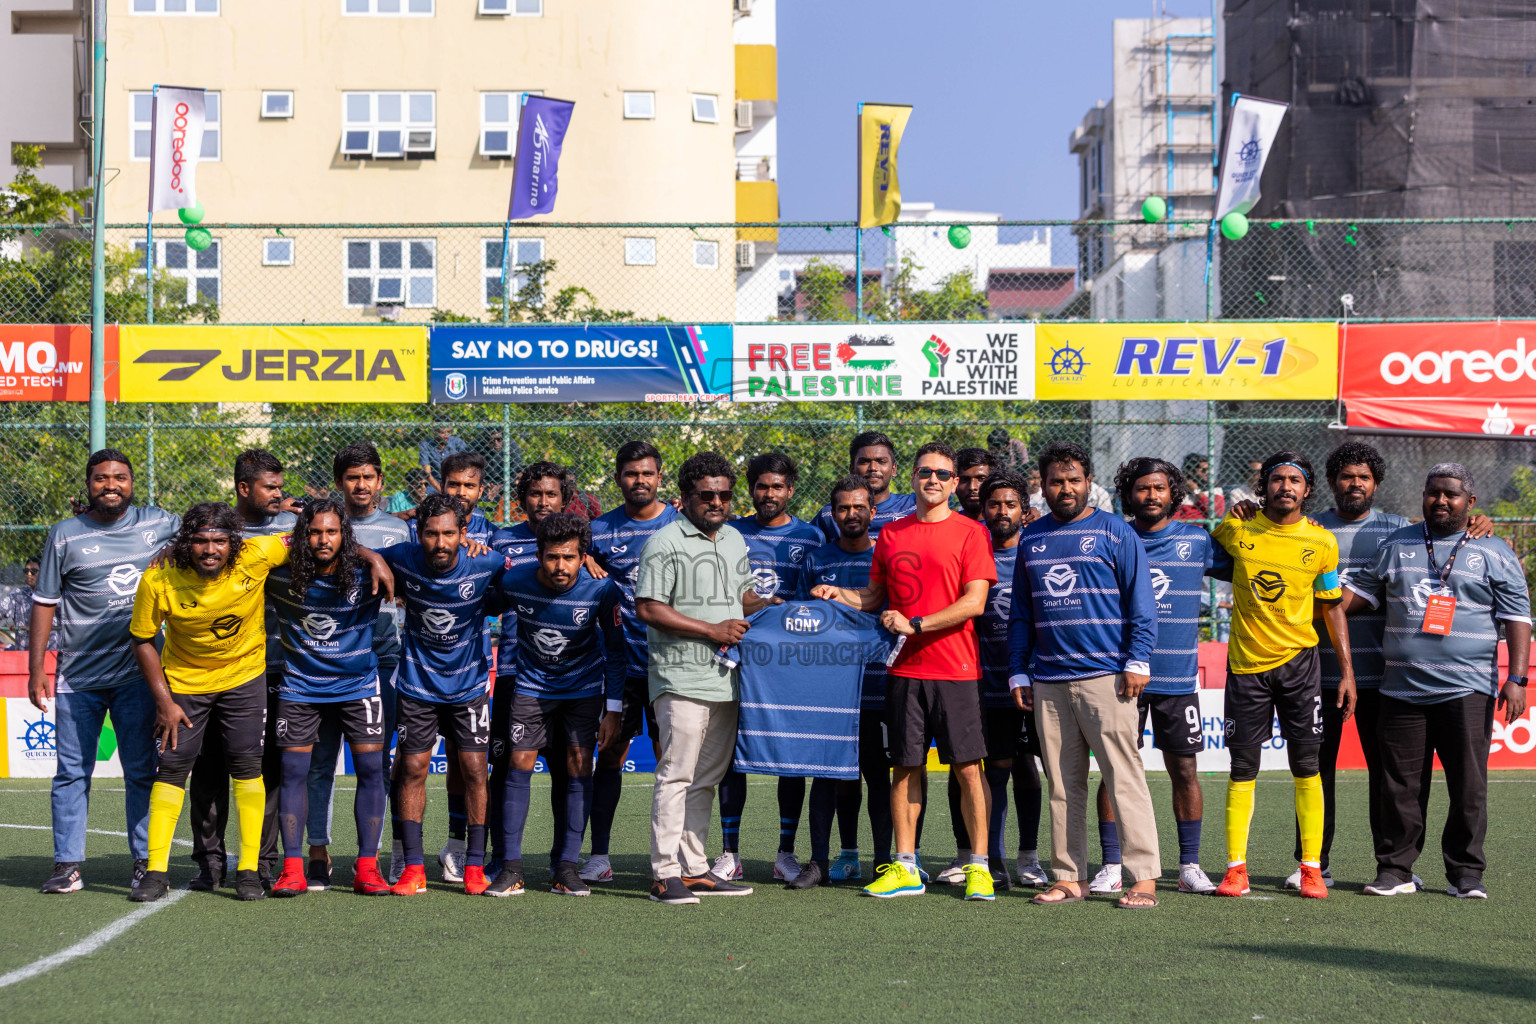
{"x": 1440, "y": 607}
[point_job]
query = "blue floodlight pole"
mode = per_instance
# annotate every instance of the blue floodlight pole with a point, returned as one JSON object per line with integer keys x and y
{"x": 858, "y": 232}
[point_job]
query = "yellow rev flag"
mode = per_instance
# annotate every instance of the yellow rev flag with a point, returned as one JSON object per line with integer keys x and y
{"x": 880, "y": 128}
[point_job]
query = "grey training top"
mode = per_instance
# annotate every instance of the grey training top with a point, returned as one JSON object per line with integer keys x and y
{"x": 1488, "y": 584}
{"x": 271, "y": 525}
{"x": 1359, "y": 540}
{"x": 377, "y": 531}
{"x": 91, "y": 570}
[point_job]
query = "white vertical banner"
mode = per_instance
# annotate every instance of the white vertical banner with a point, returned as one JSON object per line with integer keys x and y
{"x": 1250, "y": 134}
{"x": 176, "y": 136}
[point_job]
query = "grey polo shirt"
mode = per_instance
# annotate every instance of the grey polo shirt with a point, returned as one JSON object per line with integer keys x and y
{"x": 703, "y": 579}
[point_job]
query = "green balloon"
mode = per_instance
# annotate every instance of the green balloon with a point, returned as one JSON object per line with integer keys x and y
{"x": 107, "y": 744}
{"x": 959, "y": 236}
{"x": 191, "y": 214}
{"x": 198, "y": 239}
{"x": 1154, "y": 209}
{"x": 1234, "y": 226}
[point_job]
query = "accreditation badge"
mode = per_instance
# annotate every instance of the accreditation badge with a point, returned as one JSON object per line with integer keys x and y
{"x": 1439, "y": 610}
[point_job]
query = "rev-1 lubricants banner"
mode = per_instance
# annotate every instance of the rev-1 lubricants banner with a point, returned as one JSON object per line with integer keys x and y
{"x": 1235, "y": 360}
{"x": 273, "y": 364}
{"x": 576, "y": 363}
{"x": 891, "y": 362}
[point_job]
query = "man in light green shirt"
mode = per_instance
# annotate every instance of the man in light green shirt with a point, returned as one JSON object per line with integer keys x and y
{"x": 692, "y": 591}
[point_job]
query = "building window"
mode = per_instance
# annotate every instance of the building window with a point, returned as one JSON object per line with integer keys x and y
{"x": 640, "y": 252}
{"x": 521, "y": 8}
{"x": 498, "y": 122}
{"x": 525, "y": 251}
{"x": 277, "y": 104}
{"x": 141, "y": 118}
{"x": 200, "y": 270}
{"x": 706, "y": 108}
{"x": 277, "y": 252}
{"x": 389, "y": 125}
{"x": 389, "y": 8}
{"x": 706, "y": 255}
{"x": 208, "y": 8}
{"x": 391, "y": 272}
{"x": 639, "y": 106}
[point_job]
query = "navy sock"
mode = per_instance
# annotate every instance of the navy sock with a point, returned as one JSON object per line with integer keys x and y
{"x": 850, "y": 798}
{"x": 495, "y": 792}
{"x": 396, "y": 822}
{"x": 578, "y": 804}
{"x": 607, "y": 787}
{"x": 559, "y": 779}
{"x": 880, "y": 823}
{"x": 997, "y": 821}
{"x": 514, "y": 813}
{"x": 733, "y": 797}
{"x": 368, "y": 806}
{"x": 474, "y": 846}
{"x": 1109, "y": 842}
{"x": 458, "y": 817}
{"x": 1189, "y": 840}
{"x": 1026, "y": 800}
{"x": 823, "y": 810}
{"x": 410, "y": 836}
{"x": 293, "y": 801}
{"x": 956, "y": 818}
{"x": 791, "y": 800}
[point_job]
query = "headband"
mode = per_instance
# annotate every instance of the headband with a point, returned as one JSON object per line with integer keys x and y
{"x": 1306, "y": 475}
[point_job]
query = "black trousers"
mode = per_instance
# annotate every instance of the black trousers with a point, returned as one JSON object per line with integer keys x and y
{"x": 1409, "y": 735}
{"x": 208, "y": 793}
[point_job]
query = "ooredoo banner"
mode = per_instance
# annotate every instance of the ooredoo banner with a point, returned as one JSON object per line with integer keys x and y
{"x": 1081, "y": 362}
{"x": 1469, "y": 378}
{"x": 52, "y": 363}
{"x": 886, "y": 362}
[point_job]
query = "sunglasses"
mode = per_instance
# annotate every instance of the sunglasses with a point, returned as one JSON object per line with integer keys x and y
{"x": 944, "y": 475}
{"x": 710, "y": 497}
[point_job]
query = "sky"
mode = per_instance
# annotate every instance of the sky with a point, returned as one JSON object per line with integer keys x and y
{"x": 996, "y": 87}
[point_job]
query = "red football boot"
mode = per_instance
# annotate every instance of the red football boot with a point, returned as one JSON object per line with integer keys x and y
{"x": 1236, "y": 882}
{"x": 412, "y": 881}
{"x": 1312, "y": 884}
{"x": 292, "y": 881}
{"x": 475, "y": 881}
{"x": 366, "y": 880}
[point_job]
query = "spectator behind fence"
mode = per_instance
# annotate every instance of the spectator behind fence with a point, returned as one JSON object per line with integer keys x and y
{"x": 415, "y": 492}
{"x": 435, "y": 449}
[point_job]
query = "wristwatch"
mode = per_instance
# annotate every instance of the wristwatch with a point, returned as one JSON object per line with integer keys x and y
{"x": 1517, "y": 680}
{"x": 917, "y": 624}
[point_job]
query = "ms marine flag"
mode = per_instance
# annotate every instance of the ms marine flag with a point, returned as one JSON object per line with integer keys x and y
{"x": 880, "y": 128}
{"x": 540, "y": 134}
{"x": 176, "y": 142}
{"x": 1251, "y": 131}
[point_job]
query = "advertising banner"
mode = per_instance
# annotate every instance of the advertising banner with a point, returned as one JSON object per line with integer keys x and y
{"x": 176, "y": 145}
{"x": 1468, "y": 378}
{"x": 885, "y": 362}
{"x": 880, "y": 128}
{"x": 540, "y": 134}
{"x": 1235, "y": 360}
{"x": 51, "y": 363}
{"x": 1251, "y": 131}
{"x": 30, "y": 750}
{"x": 573, "y": 363}
{"x": 273, "y": 364}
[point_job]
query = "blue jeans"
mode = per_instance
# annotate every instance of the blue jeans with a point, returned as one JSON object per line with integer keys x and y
{"x": 322, "y": 762}
{"x": 79, "y": 717}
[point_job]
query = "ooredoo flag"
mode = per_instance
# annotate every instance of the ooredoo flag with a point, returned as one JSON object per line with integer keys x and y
{"x": 176, "y": 141}
{"x": 540, "y": 134}
{"x": 880, "y": 129}
{"x": 1251, "y": 132}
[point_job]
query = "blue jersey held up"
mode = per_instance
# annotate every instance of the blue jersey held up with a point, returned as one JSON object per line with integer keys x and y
{"x": 616, "y": 544}
{"x": 1083, "y": 603}
{"x": 992, "y": 631}
{"x": 1180, "y": 556}
{"x": 570, "y": 643}
{"x": 444, "y": 660}
{"x": 327, "y": 635}
{"x": 888, "y": 511}
{"x": 830, "y": 565}
{"x": 800, "y": 667}
{"x": 776, "y": 554}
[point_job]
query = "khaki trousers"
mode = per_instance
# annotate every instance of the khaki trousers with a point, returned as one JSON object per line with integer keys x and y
{"x": 698, "y": 743}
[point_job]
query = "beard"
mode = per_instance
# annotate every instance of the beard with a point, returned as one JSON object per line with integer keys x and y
{"x": 1002, "y": 530}
{"x": 1352, "y": 507}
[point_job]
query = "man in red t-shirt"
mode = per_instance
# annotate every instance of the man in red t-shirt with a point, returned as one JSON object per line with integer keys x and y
{"x": 931, "y": 572}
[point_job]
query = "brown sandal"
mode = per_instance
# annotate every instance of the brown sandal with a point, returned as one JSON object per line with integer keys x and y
{"x": 1067, "y": 896}
{"x": 1133, "y": 894}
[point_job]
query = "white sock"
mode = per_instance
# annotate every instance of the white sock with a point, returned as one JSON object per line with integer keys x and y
{"x": 979, "y": 858}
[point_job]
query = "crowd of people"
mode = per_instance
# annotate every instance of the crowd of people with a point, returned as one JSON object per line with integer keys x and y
{"x": 1002, "y": 610}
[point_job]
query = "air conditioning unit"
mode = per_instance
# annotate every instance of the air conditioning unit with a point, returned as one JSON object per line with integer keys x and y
{"x": 496, "y": 142}
{"x": 746, "y": 255}
{"x": 357, "y": 142}
{"x": 421, "y": 140}
{"x": 743, "y": 115}
{"x": 742, "y": 7}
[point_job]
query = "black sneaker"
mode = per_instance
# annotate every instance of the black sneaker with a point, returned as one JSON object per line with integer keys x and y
{"x": 154, "y": 887}
{"x": 1469, "y": 888}
{"x": 508, "y": 881}
{"x": 66, "y": 877}
{"x": 567, "y": 880}
{"x": 673, "y": 891}
{"x": 210, "y": 875}
{"x": 1389, "y": 884}
{"x": 263, "y": 875}
{"x": 140, "y": 869}
{"x": 318, "y": 875}
{"x": 711, "y": 884}
{"x": 812, "y": 874}
{"x": 1002, "y": 881}
{"x": 249, "y": 886}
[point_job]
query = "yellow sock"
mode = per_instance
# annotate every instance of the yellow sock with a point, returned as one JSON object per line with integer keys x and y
{"x": 251, "y": 806}
{"x": 1239, "y": 818}
{"x": 1309, "y": 815}
{"x": 164, "y": 811}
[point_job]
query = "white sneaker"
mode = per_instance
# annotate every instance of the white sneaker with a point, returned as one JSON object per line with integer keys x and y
{"x": 1107, "y": 880}
{"x": 1294, "y": 879}
{"x": 955, "y": 873}
{"x": 396, "y": 861}
{"x": 728, "y": 867}
{"x": 1030, "y": 870}
{"x": 786, "y": 866}
{"x": 1192, "y": 878}
{"x": 451, "y": 860}
{"x": 598, "y": 869}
